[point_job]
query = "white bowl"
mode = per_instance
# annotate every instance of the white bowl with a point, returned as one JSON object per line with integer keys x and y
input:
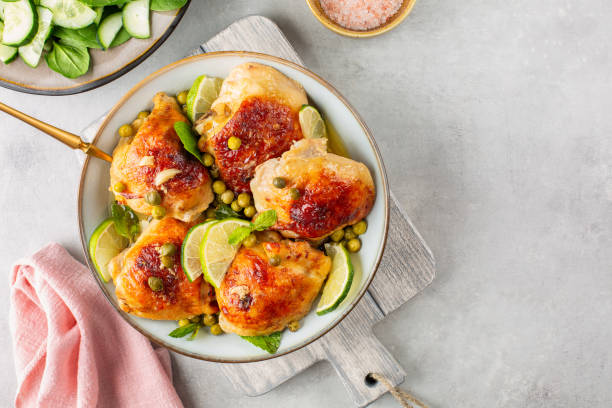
{"x": 94, "y": 198}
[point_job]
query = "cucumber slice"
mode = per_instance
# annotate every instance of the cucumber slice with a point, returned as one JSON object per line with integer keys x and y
{"x": 30, "y": 53}
{"x": 70, "y": 13}
{"x": 7, "y": 53}
{"x": 99, "y": 11}
{"x": 2, "y": 10}
{"x": 109, "y": 27}
{"x": 136, "y": 18}
{"x": 20, "y": 23}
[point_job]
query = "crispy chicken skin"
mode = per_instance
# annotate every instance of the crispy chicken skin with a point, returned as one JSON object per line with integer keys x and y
{"x": 333, "y": 191}
{"x": 256, "y": 298}
{"x": 260, "y": 106}
{"x": 132, "y": 268}
{"x": 155, "y": 148}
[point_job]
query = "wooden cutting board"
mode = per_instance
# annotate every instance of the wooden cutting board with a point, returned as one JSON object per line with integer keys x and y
{"x": 407, "y": 267}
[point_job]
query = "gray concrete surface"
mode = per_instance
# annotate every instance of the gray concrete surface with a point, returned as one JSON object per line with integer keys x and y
{"x": 494, "y": 121}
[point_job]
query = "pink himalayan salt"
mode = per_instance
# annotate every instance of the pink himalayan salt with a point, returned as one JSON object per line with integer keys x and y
{"x": 360, "y": 14}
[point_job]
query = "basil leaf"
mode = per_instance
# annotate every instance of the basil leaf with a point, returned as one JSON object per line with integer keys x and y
{"x": 239, "y": 234}
{"x": 265, "y": 220}
{"x": 166, "y": 5}
{"x": 126, "y": 221}
{"x": 121, "y": 37}
{"x": 185, "y": 330}
{"x": 269, "y": 343}
{"x": 82, "y": 37}
{"x": 68, "y": 60}
{"x": 183, "y": 130}
{"x": 225, "y": 211}
{"x": 195, "y": 332}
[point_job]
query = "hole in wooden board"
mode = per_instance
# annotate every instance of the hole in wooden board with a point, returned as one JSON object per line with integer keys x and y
{"x": 370, "y": 381}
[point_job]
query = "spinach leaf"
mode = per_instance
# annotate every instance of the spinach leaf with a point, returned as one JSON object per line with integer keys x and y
{"x": 103, "y": 3}
{"x": 225, "y": 211}
{"x": 68, "y": 60}
{"x": 82, "y": 37}
{"x": 121, "y": 37}
{"x": 166, "y": 5}
{"x": 269, "y": 343}
{"x": 126, "y": 221}
{"x": 183, "y": 130}
{"x": 185, "y": 330}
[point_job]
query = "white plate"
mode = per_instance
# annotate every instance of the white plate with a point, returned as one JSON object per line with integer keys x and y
{"x": 94, "y": 197}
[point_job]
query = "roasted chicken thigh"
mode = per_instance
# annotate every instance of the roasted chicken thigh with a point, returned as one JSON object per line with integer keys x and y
{"x": 177, "y": 298}
{"x": 258, "y": 105}
{"x": 257, "y": 298}
{"x": 155, "y": 160}
{"x": 323, "y": 191}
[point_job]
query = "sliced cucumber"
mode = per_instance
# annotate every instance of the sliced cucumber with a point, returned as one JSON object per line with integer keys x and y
{"x": 136, "y": 18}
{"x": 2, "y": 10}
{"x": 108, "y": 29}
{"x": 7, "y": 53}
{"x": 99, "y": 11}
{"x": 121, "y": 37}
{"x": 20, "y": 22}
{"x": 31, "y": 52}
{"x": 70, "y": 13}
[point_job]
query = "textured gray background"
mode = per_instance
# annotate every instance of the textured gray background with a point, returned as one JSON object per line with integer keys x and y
{"x": 494, "y": 121}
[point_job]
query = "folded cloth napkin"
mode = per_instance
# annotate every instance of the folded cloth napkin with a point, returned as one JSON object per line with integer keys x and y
{"x": 72, "y": 349}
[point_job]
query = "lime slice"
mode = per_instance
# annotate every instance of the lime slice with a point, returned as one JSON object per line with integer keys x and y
{"x": 216, "y": 254}
{"x": 311, "y": 122}
{"x": 190, "y": 251}
{"x": 104, "y": 245}
{"x": 202, "y": 94}
{"x": 339, "y": 280}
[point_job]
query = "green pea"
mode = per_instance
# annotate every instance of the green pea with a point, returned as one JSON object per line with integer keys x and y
{"x": 143, "y": 114}
{"x": 227, "y": 197}
{"x": 295, "y": 193}
{"x": 167, "y": 261}
{"x": 208, "y": 159}
{"x": 155, "y": 283}
{"x": 158, "y": 212}
{"x": 250, "y": 241}
{"x": 234, "y": 143}
{"x": 279, "y": 182}
{"x": 167, "y": 249}
{"x": 249, "y": 211}
{"x": 360, "y": 228}
{"x": 244, "y": 199}
{"x": 219, "y": 187}
{"x": 126, "y": 130}
{"x": 353, "y": 245}
{"x": 349, "y": 234}
{"x": 209, "y": 320}
{"x": 153, "y": 197}
{"x": 211, "y": 213}
{"x": 119, "y": 187}
{"x": 337, "y": 235}
{"x": 274, "y": 260}
{"x": 235, "y": 206}
{"x": 216, "y": 329}
{"x": 183, "y": 322}
{"x": 182, "y": 97}
{"x": 293, "y": 326}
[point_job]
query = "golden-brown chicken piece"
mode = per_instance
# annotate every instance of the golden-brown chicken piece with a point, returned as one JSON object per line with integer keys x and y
{"x": 332, "y": 191}
{"x": 258, "y": 105}
{"x": 178, "y": 298}
{"x": 155, "y": 160}
{"x": 256, "y": 298}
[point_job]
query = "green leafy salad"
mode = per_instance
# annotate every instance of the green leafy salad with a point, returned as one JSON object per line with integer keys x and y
{"x": 64, "y": 31}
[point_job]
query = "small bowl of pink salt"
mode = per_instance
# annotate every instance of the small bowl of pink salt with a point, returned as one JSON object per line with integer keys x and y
{"x": 360, "y": 18}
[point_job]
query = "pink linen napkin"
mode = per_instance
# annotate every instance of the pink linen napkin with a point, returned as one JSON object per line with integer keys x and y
{"x": 72, "y": 349}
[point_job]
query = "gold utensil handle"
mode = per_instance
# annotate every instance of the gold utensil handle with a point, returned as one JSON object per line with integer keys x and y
{"x": 67, "y": 138}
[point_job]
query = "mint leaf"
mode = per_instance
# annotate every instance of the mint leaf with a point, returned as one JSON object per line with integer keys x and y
{"x": 265, "y": 220}
{"x": 238, "y": 235}
{"x": 185, "y": 330}
{"x": 225, "y": 211}
{"x": 183, "y": 130}
{"x": 269, "y": 343}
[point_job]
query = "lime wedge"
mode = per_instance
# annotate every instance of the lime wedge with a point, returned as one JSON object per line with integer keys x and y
{"x": 216, "y": 254}
{"x": 202, "y": 94}
{"x": 104, "y": 245}
{"x": 190, "y": 251}
{"x": 339, "y": 280}
{"x": 311, "y": 122}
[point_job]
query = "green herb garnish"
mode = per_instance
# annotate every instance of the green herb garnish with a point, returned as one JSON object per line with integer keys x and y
{"x": 183, "y": 130}
{"x": 225, "y": 211}
{"x": 269, "y": 343}
{"x": 263, "y": 221}
{"x": 185, "y": 330}
{"x": 126, "y": 221}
